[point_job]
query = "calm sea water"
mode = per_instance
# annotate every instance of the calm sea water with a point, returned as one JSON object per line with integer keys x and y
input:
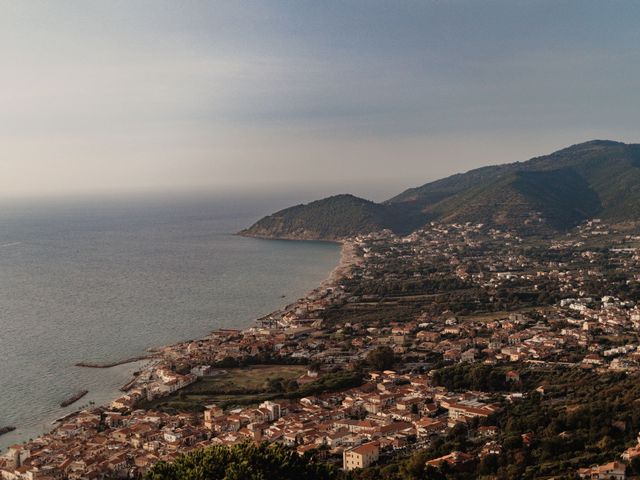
{"x": 102, "y": 280}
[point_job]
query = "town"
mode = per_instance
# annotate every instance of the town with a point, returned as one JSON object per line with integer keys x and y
{"x": 434, "y": 346}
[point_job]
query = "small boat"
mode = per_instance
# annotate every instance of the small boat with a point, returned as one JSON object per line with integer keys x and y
{"x": 6, "y": 429}
{"x": 74, "y": 398}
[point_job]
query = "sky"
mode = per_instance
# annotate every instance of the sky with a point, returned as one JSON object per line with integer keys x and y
{"x": 367, "y": 97}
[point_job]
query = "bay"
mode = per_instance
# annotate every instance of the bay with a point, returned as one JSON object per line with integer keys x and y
{"x": 103, "y": 279}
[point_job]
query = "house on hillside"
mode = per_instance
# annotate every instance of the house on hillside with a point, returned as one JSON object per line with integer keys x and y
{"x": 362, "y": 456}
{"x": 612, "y": 470}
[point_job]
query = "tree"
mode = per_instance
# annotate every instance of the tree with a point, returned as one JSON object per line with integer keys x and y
{"x": 381, "y": 358}
{"x": 291, "y": 385}
{"x": 489, "y": 465}
{"x": 275, "y": 384}
{"x": 245, "y": 461}
{"x": 432, "y": 473}
{"x": 315, "y": 367}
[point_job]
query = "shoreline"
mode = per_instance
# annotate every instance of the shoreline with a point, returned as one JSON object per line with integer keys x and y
{"x": 346, "y": 261}
{"x": 290, "y": 238}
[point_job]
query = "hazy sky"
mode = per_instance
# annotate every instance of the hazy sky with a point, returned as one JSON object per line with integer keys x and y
{"x": 361, "y": 96}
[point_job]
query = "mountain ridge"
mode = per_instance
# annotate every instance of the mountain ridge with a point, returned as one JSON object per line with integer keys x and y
{"x": 332, "y": 218}
{"x": 548, "y": 193}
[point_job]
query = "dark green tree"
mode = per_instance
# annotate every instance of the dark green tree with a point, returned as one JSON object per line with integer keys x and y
{"x": 245, "y": 461}
{"x": 381, "y": 358}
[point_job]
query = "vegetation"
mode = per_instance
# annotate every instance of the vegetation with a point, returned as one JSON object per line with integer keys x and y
{"x": 252, "y": 385}
{"x": 329, "y": 383}
{"x": 381, "y": 358}
{"x": 549, "y": 193}
{"x": 332, "y": 218}
{"x": 475, "y": 376}
{"x": 582, "y": 418}
{"x": 242, "y": 462}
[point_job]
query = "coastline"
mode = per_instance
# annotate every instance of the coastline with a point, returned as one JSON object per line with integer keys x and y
{"x": 293, "y": 238}
{"x": 346, "y": 261}
{"x": 102, "y": 391}
{"x": 348, "y": 257}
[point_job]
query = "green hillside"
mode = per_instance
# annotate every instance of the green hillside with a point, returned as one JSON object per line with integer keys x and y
{"x": 554, "y": 199}
{"x": 332, "y": 218}
{"x": 555, "y": 192}
{"x": 594, "y": 178}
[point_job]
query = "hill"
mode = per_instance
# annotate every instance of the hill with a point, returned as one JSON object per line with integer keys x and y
{"x": 550, "y": 193}
{"x": 332, "y": 218}
{"x": 555, "y": 199}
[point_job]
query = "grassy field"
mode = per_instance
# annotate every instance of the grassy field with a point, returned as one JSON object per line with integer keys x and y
{"x": 253, "y": 377}
{"x": 228, "y": 387}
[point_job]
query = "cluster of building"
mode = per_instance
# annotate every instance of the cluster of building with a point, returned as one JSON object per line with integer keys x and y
{"x": 392, "y": 411}
{"x": 389, "y": 412}
{"x": 489, "y": 263}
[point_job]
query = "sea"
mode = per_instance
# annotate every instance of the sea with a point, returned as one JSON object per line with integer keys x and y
{"x": 101, "y": 279}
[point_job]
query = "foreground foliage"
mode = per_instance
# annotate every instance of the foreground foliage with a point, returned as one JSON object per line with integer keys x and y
{"x": 246, "y": 461}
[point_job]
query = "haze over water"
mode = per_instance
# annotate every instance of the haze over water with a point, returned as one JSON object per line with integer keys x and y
{"x": 103, "y": 280}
